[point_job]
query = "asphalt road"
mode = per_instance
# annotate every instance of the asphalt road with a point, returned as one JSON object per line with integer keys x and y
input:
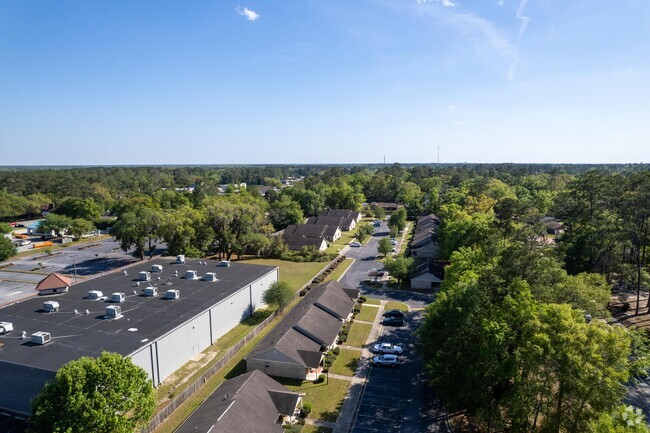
{"x": 398, "y": 399}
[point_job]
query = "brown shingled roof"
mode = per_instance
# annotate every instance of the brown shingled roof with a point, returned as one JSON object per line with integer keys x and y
{"x": 53, "y": 281}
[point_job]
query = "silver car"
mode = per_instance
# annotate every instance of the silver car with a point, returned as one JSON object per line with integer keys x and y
{"x": 386, "y": 360}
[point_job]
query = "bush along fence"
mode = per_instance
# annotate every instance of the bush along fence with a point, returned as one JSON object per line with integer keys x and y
{"x": 324, "y": 273}
{"x": 194, "y": 386}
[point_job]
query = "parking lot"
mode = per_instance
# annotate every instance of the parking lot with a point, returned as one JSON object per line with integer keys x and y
{"x": 19, "y": 275}
{"x": 398, "y": 399}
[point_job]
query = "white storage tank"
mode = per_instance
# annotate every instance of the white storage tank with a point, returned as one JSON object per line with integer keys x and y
{"x": 180, "y": 259}
{"x": 191, "y": 275}
{"x": 210, "y": 276}
{"x": 117, "y": 297}
{"x": 6, "y": 327}
{"x": 51, "y": 306}
{"x": 41, "y": 337}
{"x": 151, "y": 291}
{"x": 144, "y": 276}
{"x": 156, "y": 268}
{"x": 95, "y": 294}
{"x": 113, "y": 312}
{"x": 172, "y": 294}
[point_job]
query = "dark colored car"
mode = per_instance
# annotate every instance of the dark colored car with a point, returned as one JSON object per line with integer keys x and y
{"x": 393, "y": 321}
{"x": 394, "y": 313}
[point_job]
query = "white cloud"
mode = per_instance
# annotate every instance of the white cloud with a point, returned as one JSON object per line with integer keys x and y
{"x": 445, "y": 3}
{"x": 523, "y": 20}
{"x": 458, "y": 123}
{"x": 248, "y": 13}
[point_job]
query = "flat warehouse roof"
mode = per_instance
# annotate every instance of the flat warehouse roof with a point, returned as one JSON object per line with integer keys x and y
{"x": 144, "y": 319}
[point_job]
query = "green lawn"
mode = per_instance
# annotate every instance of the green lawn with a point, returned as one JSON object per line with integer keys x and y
{"x": 392, "y": 305}
{"x": 373, "y": 302}
{"x": 346, "y": 363}
{"x": 297, "y": 274}
{"x": 315, "y": 429}
{"x": 358, "y": 334}
{"x": 338, "y": 272}
{"x": 345, "y": 239}
{"x": 367, "y": 313}
{"x": 326, "y": 399}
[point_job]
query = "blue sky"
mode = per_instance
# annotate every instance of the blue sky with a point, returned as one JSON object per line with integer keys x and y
{"x": 329, "y": 81}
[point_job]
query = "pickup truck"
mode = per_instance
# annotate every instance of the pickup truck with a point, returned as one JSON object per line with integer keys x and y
{"x": 387, "y": 348}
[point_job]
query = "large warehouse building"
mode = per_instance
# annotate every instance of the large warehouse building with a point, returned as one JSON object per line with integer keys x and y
{"x": 160, "y": 313}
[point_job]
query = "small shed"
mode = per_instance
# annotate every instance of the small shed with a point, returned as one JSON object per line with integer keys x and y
{"x": 53, "y": 284}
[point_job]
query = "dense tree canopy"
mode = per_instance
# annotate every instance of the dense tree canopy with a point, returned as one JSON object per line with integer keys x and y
{"x": 108, "y": 394}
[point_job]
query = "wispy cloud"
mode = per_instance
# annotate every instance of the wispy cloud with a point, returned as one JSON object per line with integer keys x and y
{"x": 523, "y": 25}
{"x": 250, "y": 15}
{"x": 445, "y": 3}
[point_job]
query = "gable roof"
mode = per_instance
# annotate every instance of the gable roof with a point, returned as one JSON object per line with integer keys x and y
{"x": 311, "y": 230}
{"x": 429, "y": 267}
{"x": 297, "y": 242}
{"x": 53, "y": 281}
{"x": 345, "y": 213}
{"x": 309, "y": 326}
{"x": 249, "y": 403}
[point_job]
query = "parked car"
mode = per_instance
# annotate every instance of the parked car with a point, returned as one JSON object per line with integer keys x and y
{"x": 393, "y": 242}
{"x": 355, "y": 244}
{"x": 376, "y": 273}
{"x": 387, "y": 348}
{"x": 377, "y": 223}
{"x": 393, "y": 321}
{"x": 386, "y": 360}
{"x": 394, "y": 313}
{"x": 22, "y": 242}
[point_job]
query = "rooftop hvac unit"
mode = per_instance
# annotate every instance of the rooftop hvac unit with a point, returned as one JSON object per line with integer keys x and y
{"x": 172, "y": 294}
{"x": 151, "y": 291}
{"x": 144, "y": 276}
{"x": 41, "y": 337}
{"x": 51, "y": 306}
{"x": 224, "y": 263}
{"x": 180, "y": 259}
{"x": 156, "y": 268}
{"x": 6, "y": 327}
{"x": 191, "y": 275}
{"x": 95, "y": 294}
{"x": 113, "y": 312}
{"x": 210, "y": 276}
{"x": 117, "y": 297}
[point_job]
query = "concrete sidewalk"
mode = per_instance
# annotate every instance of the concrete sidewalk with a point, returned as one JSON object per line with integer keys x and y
{"x": 358, "y": 383}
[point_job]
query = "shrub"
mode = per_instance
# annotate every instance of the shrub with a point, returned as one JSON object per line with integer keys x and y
{"x": 321, "y": 377}
{"x": 303, "y": 292}
{"x": 362, "y": 299}
{"x": 336, "y": 351}
{"x": 356, "y": 310}
{"x": 342, "y": 338}
{"x": 306, "y": 407}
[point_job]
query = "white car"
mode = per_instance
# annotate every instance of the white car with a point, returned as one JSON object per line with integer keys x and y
{"x": 355, "y": 244}
{"x": 387, "y": 348}
{"x": 387, "y": 360}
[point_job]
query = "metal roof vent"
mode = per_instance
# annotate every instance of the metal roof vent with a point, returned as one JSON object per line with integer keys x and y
{"x": 6, "y": 327}
{"x": 172, "y": 294}
{"x": 117, "y": 297}
{"x": 113, "y": 312}
{"x": 144, "y": 276}
{"x": 210, "y": 276}
{"x": 151, "y": 291}
{"x": 191, "y": 275}
{"x": 51, "y": 306}
{"x": 41, "y": 337}
{"x": 180, "y": 259}
{"x": 156, "y": 268}
{"x": 95, "y": 294}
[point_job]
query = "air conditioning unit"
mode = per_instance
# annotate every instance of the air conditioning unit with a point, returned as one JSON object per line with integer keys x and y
{"x": 191, "y": 275}
{"x": 180, "y": 259}
{"x": 172, "y": 294}
{"x": 51, "y": 306}
{"x": 6, "y": 327}
{"x": 41, "y": 337}
{"x": 113, "y": 312}
{"x": 144, "y": 276}
{"x": 210, "y": 276}
{"x": 117, "y": 297}
{"x": 151, "y": 291}
{"x": 156, "y": 268}
{"x": 224, "y": 263}
{"x": 95, "y": 294}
